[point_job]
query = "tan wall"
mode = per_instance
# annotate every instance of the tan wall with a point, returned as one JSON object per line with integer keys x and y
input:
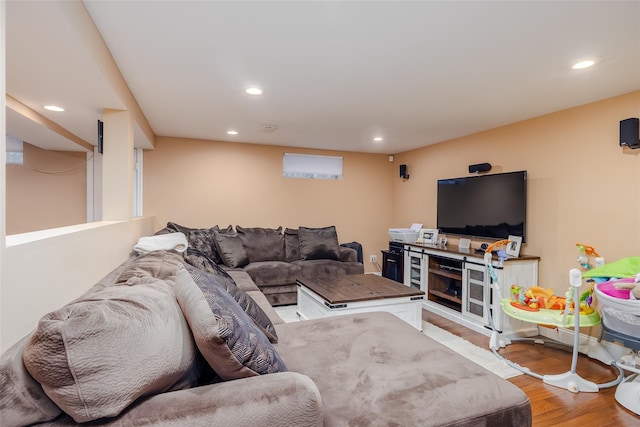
{"x": 42, "y": 273}
{"x": 203, "y": 183}
{"x": 37, "y": 199}
{"x": 582, "y": 188}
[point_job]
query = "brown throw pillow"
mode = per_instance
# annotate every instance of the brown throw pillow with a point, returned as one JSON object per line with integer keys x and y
{"x": 262, "y": 244}
{"x": 231, "y": 250}
{"x": 319, "y": 243}
{"x": 227, "y": 338}
{"x": 221, "y": 278}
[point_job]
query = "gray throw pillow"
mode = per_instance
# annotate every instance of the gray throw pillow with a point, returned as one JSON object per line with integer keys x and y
{"x": 231, "y": 250}
{"x": 319, "y": 243}
{"x": 97, "y": 355}
{"x": 219, "y": 277}
{"x": 262, "y": 244}
{"x": 225, "y": 335}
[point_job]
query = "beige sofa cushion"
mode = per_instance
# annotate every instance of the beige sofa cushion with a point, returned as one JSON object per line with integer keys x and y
{"x": 97, "y": 355}
{"x": 226, "y": 336}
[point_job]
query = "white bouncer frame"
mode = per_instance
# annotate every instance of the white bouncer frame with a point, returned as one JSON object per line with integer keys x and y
{"x": 569, "y": 380}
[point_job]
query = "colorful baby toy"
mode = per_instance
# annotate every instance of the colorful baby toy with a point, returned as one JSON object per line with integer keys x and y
{"x": 588, "y": 257}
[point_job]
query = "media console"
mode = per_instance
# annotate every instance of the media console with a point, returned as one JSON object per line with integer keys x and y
{"x": 457, "y": 286}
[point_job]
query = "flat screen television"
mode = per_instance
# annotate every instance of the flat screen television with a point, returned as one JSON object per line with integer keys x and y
{"x": 485, "y": 206}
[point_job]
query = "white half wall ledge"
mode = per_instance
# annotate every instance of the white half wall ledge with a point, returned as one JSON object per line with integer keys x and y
{"x": 42, "y": 271}
{"x": 34, "y": 236}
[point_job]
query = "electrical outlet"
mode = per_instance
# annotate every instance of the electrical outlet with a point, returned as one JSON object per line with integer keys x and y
{"x": 373, "y": 258}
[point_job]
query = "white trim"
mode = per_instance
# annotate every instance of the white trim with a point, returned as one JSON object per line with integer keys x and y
{"x": 3, "y": 135}
{"x": 137, "y": 181}
{"x": 90, "y": 187}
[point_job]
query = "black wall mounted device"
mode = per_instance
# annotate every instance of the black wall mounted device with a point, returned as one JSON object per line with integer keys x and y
{"x": 480, "y": 167}
{"x": 403, "y": 172}
{"x": 629, "y": 133}
{"x": 100, "y": 136}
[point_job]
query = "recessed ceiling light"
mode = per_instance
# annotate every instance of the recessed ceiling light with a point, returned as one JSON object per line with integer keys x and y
{"x": 585, "y": 63}
{"x": 377, "y": 139}
{"x": 254, "y": 90}
{"x": 232, "y": 132}
{"x": 53, "y": 108}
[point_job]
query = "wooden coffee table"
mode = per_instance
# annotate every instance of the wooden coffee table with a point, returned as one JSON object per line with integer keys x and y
{"x": 358, "y": 293}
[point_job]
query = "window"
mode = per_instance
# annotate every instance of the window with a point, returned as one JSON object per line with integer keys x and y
{"x": 312, "y": 166}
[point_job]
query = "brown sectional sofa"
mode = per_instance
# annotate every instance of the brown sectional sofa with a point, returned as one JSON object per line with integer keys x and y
{"x": 369, "y": 369}
{"x": 274, "y": 258}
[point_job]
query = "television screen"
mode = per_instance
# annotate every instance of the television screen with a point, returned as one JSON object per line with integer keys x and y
{"x": 489, "y": 206}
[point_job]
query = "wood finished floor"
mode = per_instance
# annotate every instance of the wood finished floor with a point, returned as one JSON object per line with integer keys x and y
{"x": 553, "y": 406}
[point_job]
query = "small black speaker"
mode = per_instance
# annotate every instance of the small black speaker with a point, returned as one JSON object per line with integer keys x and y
{"x": 629, "y": 133}
{"x": 480, "y": 167}
{"x": 100, "y": 136}
{"x": 403, "y": 172}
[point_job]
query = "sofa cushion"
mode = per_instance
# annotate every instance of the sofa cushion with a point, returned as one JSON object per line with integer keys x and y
{"x": 319, "y": 243}
{"x": 262, "y": 244}
{"x": 273, "y": 273}
{"x": 375, "y": 369}
{"x": 221, "y": 278}
{"x": 291, "y": 244}
{"x": 22, "y": 400}
{"x": 231, "y": 250}
{"x": 225, "y": 335}
{"x": 97, "y": 355}
{"x": 327, "y": 268}
{"x": 242, "y": 279}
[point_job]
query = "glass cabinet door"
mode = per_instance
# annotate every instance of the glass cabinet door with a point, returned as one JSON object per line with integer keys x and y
{"x": 475, "y": 291}
{"x": 415, "y": 264}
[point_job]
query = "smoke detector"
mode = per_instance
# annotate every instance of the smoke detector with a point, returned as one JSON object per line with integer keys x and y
{"x": 269, "y": 128}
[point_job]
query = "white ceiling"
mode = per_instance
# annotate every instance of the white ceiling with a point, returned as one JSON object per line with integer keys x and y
{"x": 335, "y": 74}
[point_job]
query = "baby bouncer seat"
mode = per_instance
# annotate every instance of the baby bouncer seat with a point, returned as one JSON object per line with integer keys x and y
{"x": 570, "y": 317}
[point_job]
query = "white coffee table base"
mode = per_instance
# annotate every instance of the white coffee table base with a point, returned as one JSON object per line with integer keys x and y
{"x": 313, "y": 306}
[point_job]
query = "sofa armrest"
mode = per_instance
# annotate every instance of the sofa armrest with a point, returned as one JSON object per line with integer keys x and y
{"x": 347, "y": 254}
{"x": 285, "y": 398}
